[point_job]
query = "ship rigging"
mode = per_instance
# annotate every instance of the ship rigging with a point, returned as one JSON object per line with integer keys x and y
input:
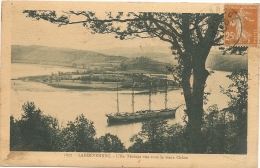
{"x": 136, "y": 116}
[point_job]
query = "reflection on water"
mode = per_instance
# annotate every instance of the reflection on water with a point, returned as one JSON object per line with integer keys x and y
{"x": 66, "y": 105}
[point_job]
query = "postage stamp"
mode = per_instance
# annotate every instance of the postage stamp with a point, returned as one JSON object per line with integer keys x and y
{"x": 241, "y": 25}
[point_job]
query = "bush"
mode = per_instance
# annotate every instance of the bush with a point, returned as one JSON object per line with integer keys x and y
{"x": 78, "y": 136}
{"x": 158, "y": 137}
{"x": 221, "y": 132}
{"x": 34, "y": 132}
{"x": 109, "y": 143}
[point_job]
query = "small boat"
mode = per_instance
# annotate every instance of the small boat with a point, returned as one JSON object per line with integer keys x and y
{"x": 137, "y": 116}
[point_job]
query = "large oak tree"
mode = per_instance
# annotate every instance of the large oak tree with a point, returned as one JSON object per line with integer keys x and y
{"x": 191, "y": 36}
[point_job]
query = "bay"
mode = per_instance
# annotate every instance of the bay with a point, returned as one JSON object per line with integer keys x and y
{"x": 67, "y": 104}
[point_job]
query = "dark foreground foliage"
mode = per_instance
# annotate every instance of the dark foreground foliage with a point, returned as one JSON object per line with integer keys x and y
{"x": 38, "y": 132}
{"x": 34, "y": 131}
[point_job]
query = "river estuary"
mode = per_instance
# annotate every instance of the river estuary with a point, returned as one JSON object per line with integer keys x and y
{"x": 67, "y": 104}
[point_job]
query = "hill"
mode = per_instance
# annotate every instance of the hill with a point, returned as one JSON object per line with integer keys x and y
{"x": 59, "y": 56}
{"x": 161, "y": 54}
{"x": 84, "y": 59}
{"x": 149, "y": 61}
{"x": 220, "y": 62}
{"x": 145, "y": 64}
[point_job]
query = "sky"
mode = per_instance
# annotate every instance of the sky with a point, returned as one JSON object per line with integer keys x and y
{"x": 26, "y": 31}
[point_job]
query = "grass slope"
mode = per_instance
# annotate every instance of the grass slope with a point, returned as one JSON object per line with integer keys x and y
{"x": 58, "y": 56}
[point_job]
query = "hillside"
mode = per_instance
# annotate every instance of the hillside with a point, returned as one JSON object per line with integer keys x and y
{"x": 153, "y": 62}
{"x": 220, "y": 62}
{"x": 146, "y": 64}
{"x": 59, "y": 56}
{"x": 161, "y": 54}
{"x": 84, "y": 59}
{"x": 156, "y": 53}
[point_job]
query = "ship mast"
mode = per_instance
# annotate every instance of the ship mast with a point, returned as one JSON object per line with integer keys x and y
{"x": 150, "y": 94}
{"x": 117, "y": 97}
{"x": 133, "y": 96}
{"x": 166, "y": 93}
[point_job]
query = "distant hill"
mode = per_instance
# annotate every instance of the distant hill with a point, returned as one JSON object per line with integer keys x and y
{"x": 144, "y": 63}
{"x": 161, "y": 54}
{"x": 148, "y": 61}
{"x": 215, "y": 59}
{"x": 220, "y": 62}
{"x": 76, "y": 58}
{"x": 59, "y": 56}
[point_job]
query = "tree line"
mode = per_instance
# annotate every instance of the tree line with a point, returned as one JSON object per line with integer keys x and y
{"x": 38, "y": 132}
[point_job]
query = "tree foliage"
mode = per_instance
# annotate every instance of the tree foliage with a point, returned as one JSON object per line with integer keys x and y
{"x": 225, "y": 130}
{"x": 109, "y": 143}
{"x": 158, "y": 137}
{"x": 34, "y": 131}
{"x": 78, "y": 136}
{"x": 238, "y": 50}
{"x": 237, "y": 91}
{"x": 38, "y": 132}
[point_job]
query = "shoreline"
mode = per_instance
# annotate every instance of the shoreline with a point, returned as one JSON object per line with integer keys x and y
{"x": 93, "y": 87}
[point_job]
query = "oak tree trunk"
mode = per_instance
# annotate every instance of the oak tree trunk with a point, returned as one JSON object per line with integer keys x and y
{"x": 194, "y": 98}
{"x": 194, "y": 61}
{"x": 195, "y": 112}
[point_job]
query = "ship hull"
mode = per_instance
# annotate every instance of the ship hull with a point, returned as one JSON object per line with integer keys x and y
{"x": 140, "y": 116}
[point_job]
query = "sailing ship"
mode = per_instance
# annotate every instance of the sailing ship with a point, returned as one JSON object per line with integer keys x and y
{"x": 136, "y": 116}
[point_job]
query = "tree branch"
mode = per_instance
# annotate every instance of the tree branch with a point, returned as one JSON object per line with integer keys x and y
{"x": 212, "y": 30}
{"x": 162, "y": 38}
{"x": 105, "y": 20}
{"x": 216, "y": 41}
{"x": 174, "y": 39}
{"x": 198, "y": 32}
{"x": 166, "y": 24}
{"x": 174, "y": 21}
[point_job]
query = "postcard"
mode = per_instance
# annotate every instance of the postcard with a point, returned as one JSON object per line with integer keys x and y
{"x": 128, "y": 84}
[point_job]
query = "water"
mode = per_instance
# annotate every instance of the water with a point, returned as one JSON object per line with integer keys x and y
{"x": 20, "y": 70}
{"x": 67, "y": 104}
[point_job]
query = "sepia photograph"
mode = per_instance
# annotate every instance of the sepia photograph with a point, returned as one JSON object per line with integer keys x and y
{"x": 130, "y": 84}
